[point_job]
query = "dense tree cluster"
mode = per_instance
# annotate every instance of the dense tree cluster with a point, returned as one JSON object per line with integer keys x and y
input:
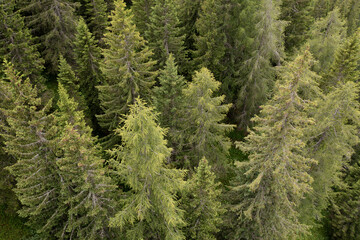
{"x": 181, "y": 119}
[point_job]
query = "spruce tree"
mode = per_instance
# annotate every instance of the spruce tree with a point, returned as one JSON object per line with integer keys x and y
{"x": 345, "y": 65}
{"x": 150, "y": 209}
{"x": 164, "y": 34}
{"x": 326, "y": 36}
{"x": 169, "y": 102}
{"x": 88, "y": 58}
{"x": 17, "y": 44}
{"x": 142, "y": 10}
{"x": 97, "y": 16}
{"x": 54, "y": 23}
{"x": 86, "y": 188}
{"x": 298, "y": 14}
{"x": 127, "y": 68}
{"x": 28, "y": 138}
{"x": 266, "y": 50}
{"x": 205, "y": 132}
{"x": 203, "y": 209}
{"x": 276, "y": 176}
{"x": 70, "y": 82}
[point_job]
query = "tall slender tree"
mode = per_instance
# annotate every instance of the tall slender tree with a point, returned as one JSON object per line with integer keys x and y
{"x": 97, "y": 16}
{"x": 164, "y": 33}
{"x": 86, "y": 189}
{"x": 142, "y": 10}
{"x": 203, "y": 209}
{"x": 54, "y": 23}
{"x": 205, "y": 132}
{"x": 150, "y": 206}
{"x": 28, "y": 138}
{"x": 88, "y": 58}
{"x": 17, "y": 45}
{"x": 276, "y": 175}
{"x": 127, "y": 67}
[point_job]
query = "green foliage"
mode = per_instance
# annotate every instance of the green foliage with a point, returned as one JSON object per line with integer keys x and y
{"x": 202, "y": 205}
{"x": 150, "y": 208}
{"x": 127, "y": 68}
{"x": 54, "y": 22}
{"x": 142, "y": 10}
{"x": 164, "y": 34}
{"x": 326, "y": 35}
{"x": 27, "y": 136}
{"x": 87, "y": 57}
{"x": 97, "y": 17}
{"x": 298, "y": 15}
{"x": 85, "y": 187}
{"x": 204, "y": 130}
{"x": 16, "y": 43}
{"x": 345, "y": 66}
{"x": 276, "y": 176}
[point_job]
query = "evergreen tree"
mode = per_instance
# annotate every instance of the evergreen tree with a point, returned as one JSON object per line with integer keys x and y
{"x": 17, "y": 44}
{"x": 203, "y": 209}
{"x": 97, "y": 16}
{"x": 54, "y": 23}
{"x": 28, "y": 138}
{"x": 276, "y": 175}
{"x": 87, "y": 57}
{"x": 267, "y": 48}
{"x": 168, "y": 101}
{"x": 86, "y": 188}
{"x": 127, "y": 68}
{"x": 205, "y": 133}
{"x": 68, "y": 79}
{"x": 332, "y": 138}
{"x": 326, "y": 35}
{"x": 298, "y": 14}
{"x": 150, "y": 207}
{"x": 345, "y": 65}
{"x": 142, "y": 10}
{"x": 164, "y": 34}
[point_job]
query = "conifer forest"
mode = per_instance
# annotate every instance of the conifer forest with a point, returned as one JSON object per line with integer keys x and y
{"x": 180, "y": 119}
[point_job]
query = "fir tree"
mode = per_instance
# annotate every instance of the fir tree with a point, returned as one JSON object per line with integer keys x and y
{"x": 205, "y": 133}
{"x": 326, "y": 35}
{"x": 150, "y": 206}
{"x": 298, "y": 14}
{"x": 68, "y": 79}
{"x": 142, "y": 10}
{"x": 86, "y": 188}
{"x": 203, "y": 209}
{"x": 164, "y": 34}
{"x": 28, "y": 138}
{"x": 87, "y": 57}
{"x": 276, "y": 175}
{"x": 168, "y": 101}
{"x": 345, "y": 65}
{"x": 127, "y": 68}
{"x": 54, "y": 23}
{"x": 17, "y": 44}
{"x": 267, "y": 48}
{"x": 97, "y": 16}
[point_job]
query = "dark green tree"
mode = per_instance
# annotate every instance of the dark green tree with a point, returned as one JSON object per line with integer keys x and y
{"x": 17, "y": 45}
{"x": 97, "y": 16}
{"x": 54, "y": 23}
{"x": 203, "y": 208}
{"x": 298, "y": 15}
{"x": 28, "y": 138}
{"x": 88, "y": 58}
{"x": 142, "y": 10}
{"x": 127, "y": 68}
{"x": 150, "y": 209}
{"x": 325, "y": 36}
{"x": 276, "y": 176}
{"x": 164, "y": 34}
{"x": 169, "y": 102}
{"x": 204, "y": 129}
{"x": 86, "y": 189}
